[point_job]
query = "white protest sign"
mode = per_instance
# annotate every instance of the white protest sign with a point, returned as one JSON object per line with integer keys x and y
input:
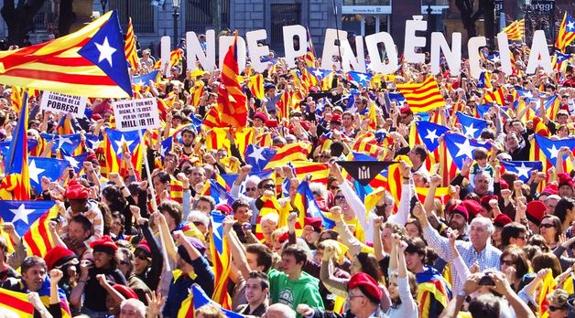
{"x": 66, "y": 104}
{"x": 136, "y": 114}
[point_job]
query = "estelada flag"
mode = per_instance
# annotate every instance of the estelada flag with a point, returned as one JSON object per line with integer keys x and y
{"x": 89, "y": 62}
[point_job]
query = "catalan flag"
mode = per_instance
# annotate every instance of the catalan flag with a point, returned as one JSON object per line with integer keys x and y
{"x": 176, "y": 57}
{"x": 495, "y": 96}
{"x": 16, "y": 97}
{"x": 558, "y": 59}
{"x": 309, "y": 57}
{"x": 566, "y": 33}
{"x": 547, "y": 287}
{"x": 422, "y": 97}
{"x": 17, "y": 303}
{"x": 117, "y": 143}
{"x": 221, "y": 256}
{"x": 284, "y": 104}
{"x": 256, "y": 86}
{"x": 197, "y": 91}
{"x": 16, "y": 183}
{"x": 89, "y": 62}
{"x": 318, "y": 172}
{"x": 232, "y": 102}
{"x": 306, "y": 204}
{"x": 515, "y": 30}
{"x": 65, "y": 126}
{"x": 130, "y": 46}
{"x": 289, "y": 153}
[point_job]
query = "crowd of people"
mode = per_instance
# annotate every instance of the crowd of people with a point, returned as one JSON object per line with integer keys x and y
{"x": 491, "y": 246}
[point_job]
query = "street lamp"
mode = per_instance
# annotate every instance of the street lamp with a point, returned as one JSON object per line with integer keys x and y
{"x": 176, "y": 15}
{"x": 430, "y": 27}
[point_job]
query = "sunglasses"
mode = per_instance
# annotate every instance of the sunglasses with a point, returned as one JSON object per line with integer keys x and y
{"x": 547, "y": 225}
{"x": 142, "y": 257}
{"x": 269, "y": 187}
{"x": 554, "y": 308}
{"x": 339, "y": 197}
{"x": 334, "y": 188}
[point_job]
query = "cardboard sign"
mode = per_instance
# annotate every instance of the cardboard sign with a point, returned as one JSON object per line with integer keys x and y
{"x": 136, "y": 114}
{"x": 65, "y": 104}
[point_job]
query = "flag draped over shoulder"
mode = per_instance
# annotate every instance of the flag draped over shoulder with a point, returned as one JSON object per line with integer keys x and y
{"x": 16, "y": 184}
{"x": 422, "y": 97}
{"x": 89, "y": 62}
{"x": 221, "y": 256}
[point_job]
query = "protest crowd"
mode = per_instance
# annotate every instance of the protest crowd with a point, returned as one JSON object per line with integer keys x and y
{"x": 337, "y": 194}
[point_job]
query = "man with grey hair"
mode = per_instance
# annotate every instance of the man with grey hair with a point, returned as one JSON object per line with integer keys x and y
{"x": 132, "y": 308}
{"x": 478, "y": 250}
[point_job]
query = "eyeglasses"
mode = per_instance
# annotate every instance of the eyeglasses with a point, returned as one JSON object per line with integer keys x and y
{"x": 547, "y": 225}
{"x": 339, "y": 197}
{"x": 142, "y": 257}
{"x": 554, "y": 308}
{"x": 334, "y": 188}
{"x": 269, "y": 186}
{"x": 251, "y": 189}
{"x": 507, "y": 262}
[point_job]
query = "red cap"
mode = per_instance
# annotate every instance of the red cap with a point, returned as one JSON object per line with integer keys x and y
{"x": 224, "y": 208}
{"x": 535, "y": 211}
{"x": 313, "y": 222}
{"x": 405, "y": 110}
{"x": 144, "y": 246}
{"x": 58, "y": 254}
{"x": 461, "y": 210}
{"x": 284, "y": 237}
{"x": 550, "y": 189}
{"x": 76, "y": 191}
{"x": 564, "y": 179}
{"x": 261, "y": 116}
{"x": 473, "y": 207}
{"x": 485, "y": 200}
{"x": 127, "y": 292}
{"x": 367, "y": 285}
{"x": 501, "y": 220}
{"x": 503, "y": 184}
{"x": 336, "y": 118}
{"x": 105, "y": 244}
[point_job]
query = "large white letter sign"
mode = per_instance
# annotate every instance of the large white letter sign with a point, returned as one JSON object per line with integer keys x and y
{"x": 412, "y": 42}
{"x": 225, "y": 42}
{"x": 196, "y": 53}
{"x": 350, "y": 61}
{"x": 452, "y": 56}
{"x": 330, "y": 48}
{"x": 504, "y": 53}
{"x": 539, "y": 55}
{"x": 473, "y": 48}
{"x": 255, "y": 51}
{"x": 290, "y": 32}
{"x": 165, "y": 43}
{"x": 377, "y": 65}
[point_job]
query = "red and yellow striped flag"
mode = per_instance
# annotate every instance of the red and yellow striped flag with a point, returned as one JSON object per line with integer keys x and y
{"x": 16, "y": 303}
{"x": 38, "y": 238}
{"x": 197, "y": 91}
{"x": 515, "y": 30}
{"x": 496, "y": 97}
{"x": 130, "y": 47}
{"x": 88, "y": 62}
{"x": 566, "y": 33}
{"x": 232, "y": 102}
{"x": 422, "y": 97}
{"x": 289, "y": 153}
{"x": 256, "y": 86}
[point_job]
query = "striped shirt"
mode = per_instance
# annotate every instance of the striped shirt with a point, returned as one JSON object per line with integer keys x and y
{"x": 488, "y": 258}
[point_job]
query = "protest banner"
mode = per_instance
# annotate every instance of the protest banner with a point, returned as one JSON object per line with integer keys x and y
{"x": 136, "y": 114}
{"x": 65, "y": 104}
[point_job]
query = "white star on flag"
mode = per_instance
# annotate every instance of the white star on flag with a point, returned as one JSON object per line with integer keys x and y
{"x": 217, "y": 226}
{"x": 571, "y": 26}
{"x": 431, "y": 135}
{"x": 34, "y": 171}
{"x": 257, "y": 154}
{"x": 73, "y": 162}
{"x": 21, "y": 213}
{"x": 470, "y": 131}
{"x": 523, "y": 170}
{"x": 122, "y": 141}
{"x": 464, "y": 149}
{"x": 553, "y": 152}
{"x": 317, "y": 73}
{"x": 63, "y": 141}
{"x": 362, "y": 77}
{"x": 106, "y": 51}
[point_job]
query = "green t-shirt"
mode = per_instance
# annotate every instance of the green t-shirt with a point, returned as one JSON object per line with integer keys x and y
{"x": 305, "y": 290}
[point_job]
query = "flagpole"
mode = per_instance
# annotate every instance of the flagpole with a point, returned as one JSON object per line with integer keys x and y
{"x": 148, "y": 173}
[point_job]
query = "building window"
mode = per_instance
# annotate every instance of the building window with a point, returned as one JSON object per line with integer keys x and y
{"x": 142, "y": 14}
{"x": 282, "y": 14}
{"x": 366, "y": 2}
{"x": 44, "y": 20}
{"x": 201, "y": 14}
